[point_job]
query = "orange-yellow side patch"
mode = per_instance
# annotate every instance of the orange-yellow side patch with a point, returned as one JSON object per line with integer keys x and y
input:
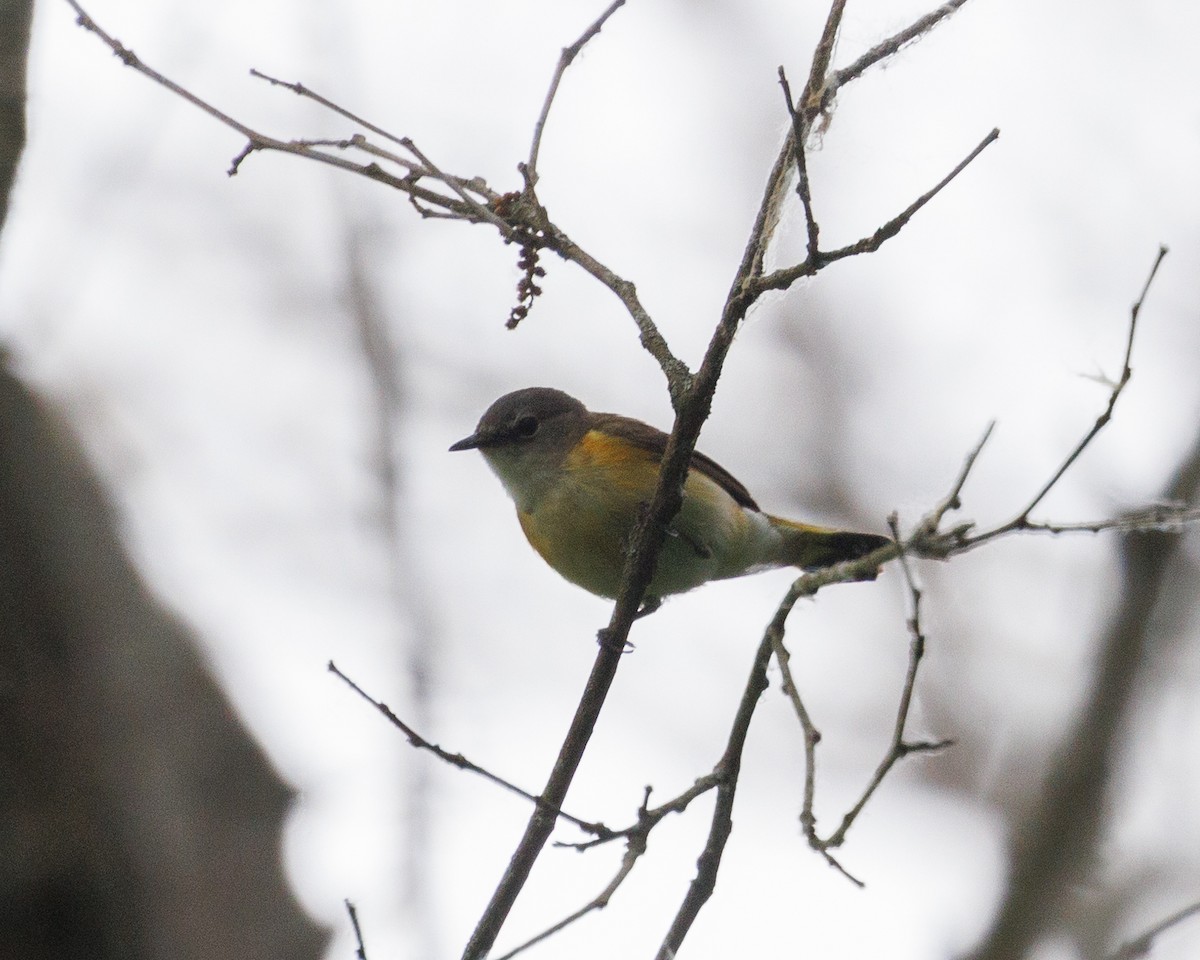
{"x": 623, "y": 464}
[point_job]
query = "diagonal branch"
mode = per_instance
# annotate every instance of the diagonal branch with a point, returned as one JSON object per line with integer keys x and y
{"x": 887, "y": 49}
{"x": 458, "y": 760}
{"x": 633, "y": 851}
{"x": 1141, "y": 945}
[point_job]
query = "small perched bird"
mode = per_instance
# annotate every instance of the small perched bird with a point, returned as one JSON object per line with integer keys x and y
{"x": 578, "y": 480}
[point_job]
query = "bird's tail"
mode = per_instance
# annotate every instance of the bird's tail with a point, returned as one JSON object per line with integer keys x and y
{"x": 810, "y": 547}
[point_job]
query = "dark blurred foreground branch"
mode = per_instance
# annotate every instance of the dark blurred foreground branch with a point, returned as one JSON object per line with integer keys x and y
{"x": 1057, "y": 839}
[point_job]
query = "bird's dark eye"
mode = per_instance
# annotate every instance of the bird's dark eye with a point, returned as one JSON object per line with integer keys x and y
{"x": 526, "y": 427}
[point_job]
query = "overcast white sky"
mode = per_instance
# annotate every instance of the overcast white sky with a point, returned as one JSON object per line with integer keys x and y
{"x": 196, "y": 330}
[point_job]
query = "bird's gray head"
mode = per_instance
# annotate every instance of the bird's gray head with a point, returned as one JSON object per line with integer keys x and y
{"x": 525, "y": 437}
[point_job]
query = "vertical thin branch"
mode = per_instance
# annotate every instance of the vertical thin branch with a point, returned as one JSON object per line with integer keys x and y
{"x": 803, "y": 189}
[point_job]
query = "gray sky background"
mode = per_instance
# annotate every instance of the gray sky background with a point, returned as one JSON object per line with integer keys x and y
{"x": 195, "y": 330}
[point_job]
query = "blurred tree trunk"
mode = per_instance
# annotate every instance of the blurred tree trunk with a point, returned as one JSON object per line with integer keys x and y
{"x": 137, "y": 818}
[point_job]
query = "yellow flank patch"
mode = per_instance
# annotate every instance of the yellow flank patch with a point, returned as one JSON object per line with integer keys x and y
{"x": 622, "y": 463}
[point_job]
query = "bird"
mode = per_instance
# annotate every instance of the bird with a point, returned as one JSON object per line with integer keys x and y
{"x": 579, "y": 479}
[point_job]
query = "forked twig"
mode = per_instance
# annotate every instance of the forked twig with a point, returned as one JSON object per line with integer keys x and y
{"x": 1021, "y": 520}
{"x": 309, "y": 93}
{"x": 899, "y": 746}
{"x": 783, "y": 278}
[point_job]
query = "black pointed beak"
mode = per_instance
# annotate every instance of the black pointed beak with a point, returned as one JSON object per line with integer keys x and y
{"x": 468, "y": 443}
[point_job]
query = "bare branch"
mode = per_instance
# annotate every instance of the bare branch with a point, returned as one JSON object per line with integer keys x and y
{"x": 1140, "y": 945}
{"x": 308, "y": 93}
{"x": 131, "y": 59}
{"x": 1165, "y": 517}
{"x": 803, "y": 189}
{"x": 649, "y": 817}
{"x": 812, "y": 736}
{"x": 679, "y": 377}
{"x": 817, "y": 101}
{"x": 457, "y": 185}
{"x": 899, "y": 747}
{"x": 782, "y": 279}
{"x": 635, "y": 847}
{"x": 822, "y": 58}
{"x": 1021, "y": 520}
{"x": 932, "y": 521}
{"x": 458, "y": 760}
{"x": 360, "y": 949}
{"x": 564, "y": 61}
{"x": 888, "y": 48}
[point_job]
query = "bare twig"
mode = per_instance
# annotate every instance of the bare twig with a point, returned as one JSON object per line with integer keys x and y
{"x": 522, "y": 214}
{"x": 458, "y": 760}
{"x": 309, "y": 94}
{"x": 803, "y": 189}
{"x": 678, "y": 376}
{"x": 1021, "y": 520}
{"x": 1140, "y": 945}
{"x": 564, "y": 61}
{"x": 888, "y": 48}
{"x": 635, "y": 847}
{"x": 822, "y": 58}
{"x": 812, "y": 107}
{"x": 930, "y": 524}
{"x": 541, "y": 822}
{"x": 636, "y": 838}
{"x": 899, "y": 747}
{"x": 784, "y": 278}
{"x": 812, "y": 736}
{"x": 457, "y": 185}
{"x": 360, "y": 949}
{"x": 649, "y": 817}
